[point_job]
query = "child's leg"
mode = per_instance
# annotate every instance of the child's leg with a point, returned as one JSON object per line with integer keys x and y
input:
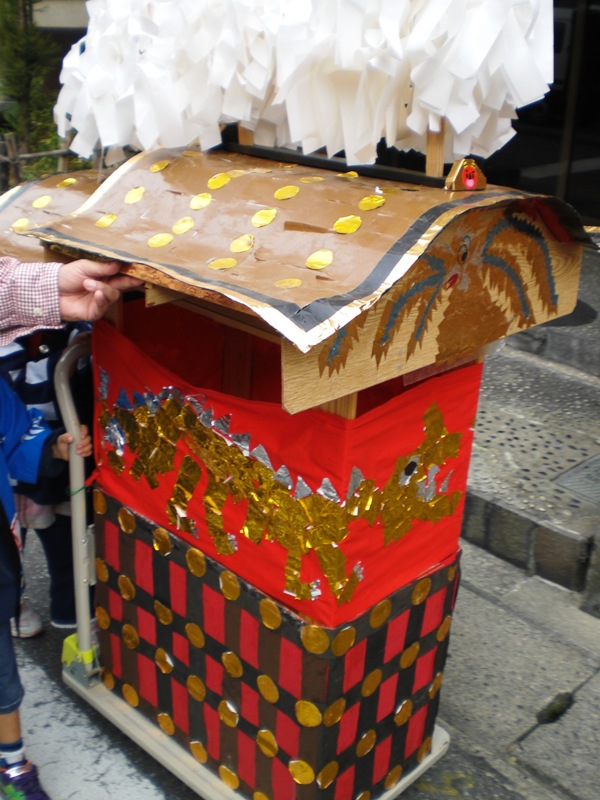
{"x": 56, "y": 541}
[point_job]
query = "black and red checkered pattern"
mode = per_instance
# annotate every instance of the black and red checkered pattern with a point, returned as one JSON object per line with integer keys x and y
{"x": 282, "y": 709}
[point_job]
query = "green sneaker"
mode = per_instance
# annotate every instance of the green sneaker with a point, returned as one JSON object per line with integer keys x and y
{"x": 21, "y": 783}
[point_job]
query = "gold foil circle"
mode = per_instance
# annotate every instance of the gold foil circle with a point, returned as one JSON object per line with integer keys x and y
{"x": 320, "y": 259}
{"x": 219, "y": 180}
{"x": 425, "y": 749}
{"x": 222, "y": 263}
{"x": 288, "y": 283}
{"x": 158, "y": 166}
{"x": 43, "y": 201}
{"x": 444, "y": 629}
{"x": 307, "y": 714}
{"x": 366, "y": 795}
{"x": 21, "y": 224}
{"x": 161, "y": 541}
{"x": 286, "y": 192}
{"x": 108, "y": 679}
{"x": 334, "y": 712}
{"x": 102, "y": 618}
{"x": 421, "y": 591}
{"x": 403, "y": 713}
{"x": 101, "y": 570}
{"x": 196, "y": 688}
{"x": 232, "y": 664}
{"x": 264, "y": 217}
{"x": 311, "y": 179}
{"x": 380, "y": 613}
{"x": 343, "y": 641}
{"x": 106, "y": 220}
{"x": 126, "y": 520}
{"x": 328, "y": 774}
{"x": 349, "y": 224}
{"x": 314, "y": 639}
{"x": 452, "y": 573}
{"x": 371, "y": 202}
{"x": 267, "y": 743}
{"x": 166, "y": 723}
{"x": 260, "y": 796}
{"x": 196, "y": 562}
{"x": 269, "y": 613}
{"x": 130, "y": 636}
{"x": 371, "y": 683}
{"x": 409, "y": 656}
{"x": 99, "y": 501}
{"x": 200, "y": 201}
{"x": 130, "y": 694}
{"x": 126, "y": 587}
{"x": 66, "y": 182}
{"x": 228, "y": 714}
{"x": 366, "y": 743}
{"x": 436, "y": 685}
{"x": 302, "y": 773}
{"x": 242, "y": 244}
{"x": 393, "y": 776}
{"x": 163, "y": 661}
{"x": 350, "y": 175}
{"x": 160, "y": 240}
{"x": 228, "y": 777}
{"x": 198, "y": 750}
{"x": 237, "y": 173}
{"x": 268, "y": 688}
{"x": 163, "y": 614}
{"x": 183, "y": 225}
{"x": 134, "y": 195}
{"x": 230, "y": 585}
{"x": 195, "y": 635}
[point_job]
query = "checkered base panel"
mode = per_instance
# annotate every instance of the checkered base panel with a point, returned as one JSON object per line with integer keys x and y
{"x": 279, "y": 707}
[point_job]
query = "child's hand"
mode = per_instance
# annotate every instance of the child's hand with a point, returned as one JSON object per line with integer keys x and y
{"x": 60, "y": 448}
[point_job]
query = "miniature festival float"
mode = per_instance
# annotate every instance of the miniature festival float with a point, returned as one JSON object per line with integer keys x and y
{"x": 283, "y": 427}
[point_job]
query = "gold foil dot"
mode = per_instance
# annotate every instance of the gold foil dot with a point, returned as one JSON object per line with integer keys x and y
{"x": 195, "y": 635}
{"x": 444, "y": 629}
{"x": 42, "y": 201}
{"x": 264, "y": 217}
{"x": 183, "y": 225}
{"x": 158, "y": 166}
{"x": 200, "y": 201}
{"x": 228, "y": 777}
{"x": 242, "y": 244}
{"x": 302, "y": 773}
{"x": 134, "y": 196}
{"x": 102, "y": 618}
{"x": 371, "y": 201}
{"x": 343, "y": 641}
{"x": 421, "y": 591}
{"x": 366, "y": 743}
{"x": 66, "y": 182}
{"x": 366, "y": 795}
{"x": 409, "y": 656}
{"x": 108, "y": 679}
{"x": 424, "y": 750}
{"x": 160, "y": 240}
{"x": 452, "y": 572}
{"x": 101, "y": 570}
{"x": 232, "y": 664}
{"x": 348, "y": 224}
{"x": 286, "y": 192}
{"x": 328, "y": 774}
{"x": 228, "y": 714}
{"x": 314, "y": 639}
{"x": 260, "y": 796}
{"x": 196, "y": 688}
{"x": 196, "y": 562}
{"x": 163, "y": 661}
{"x": 222, "y": 263}
{"x": 20, "y": 224}
{"x": 130, "y": 694}
{"x": 267, "y": 743}
{"x": 166, "y": 723}
{"x": 320, "y": 259}
{"x": 126, "y": 587}
{"x": 99, "y": 501}
{"x": 105, "y": 221}
{"x": 237, "y": 173}
{"x": 403, "y": 713}
{"x": 334, "y": 712}
{"x": 269, "y": 613}
{"x": 218, "y": 181}
{"x": 371, "y": 683}
{"x": 230, "y": 585}
{"x": 380, "y": 613}
{"x": 126, "y": 520}
{"x": 349, "y": 175}
{"x": 268, "y": 688}
{"x": 393, "y": 776}
{"x": 307, "y": 714}
{"x": 130, "y": 636}
{"x": 288, "y": 283}
{"x": 199, "y": 752}
{"x": 436, "y": 685}
{"x": 311, "y": 179}
{"x": 161, "y": 541}
{"x": 163, "y": 614}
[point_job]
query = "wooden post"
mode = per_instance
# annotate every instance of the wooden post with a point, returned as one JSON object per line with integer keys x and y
{"x": 342, "y": 406}
{"x": 434, "y": 157}
{"x": 12, "y": 151}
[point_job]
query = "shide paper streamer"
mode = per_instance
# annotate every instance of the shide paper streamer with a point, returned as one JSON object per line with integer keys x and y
{"x": 333, "y": 74}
